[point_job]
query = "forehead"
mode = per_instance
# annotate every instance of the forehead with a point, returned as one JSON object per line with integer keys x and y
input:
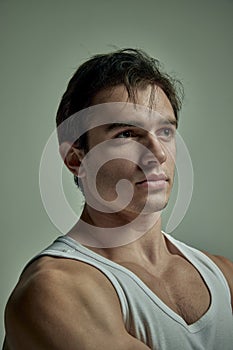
{"x": 113, "y": 105}
{"x": 152, "y": 97}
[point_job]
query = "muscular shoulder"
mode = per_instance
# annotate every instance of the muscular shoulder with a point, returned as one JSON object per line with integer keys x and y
{"x": 56, "y": 278}
{"x": 57, "y": 300}
{"x": 226, "y": 266}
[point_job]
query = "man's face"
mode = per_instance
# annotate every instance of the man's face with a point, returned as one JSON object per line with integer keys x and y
{"x": 143, "y": 154}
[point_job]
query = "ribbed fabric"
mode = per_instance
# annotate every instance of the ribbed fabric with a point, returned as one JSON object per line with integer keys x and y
{"x": 148, "y": 318}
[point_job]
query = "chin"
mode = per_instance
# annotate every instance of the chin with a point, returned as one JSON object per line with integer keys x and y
{"x": 151, "y": 207}
{"x": 154, "y": 209}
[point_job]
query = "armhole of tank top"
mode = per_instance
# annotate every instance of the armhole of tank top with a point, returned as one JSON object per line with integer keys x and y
{"x": 219, "y": 273}
{"x": 200, "y": 255}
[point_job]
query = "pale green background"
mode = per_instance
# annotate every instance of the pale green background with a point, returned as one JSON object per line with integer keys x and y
{"x": 42, "y": 42}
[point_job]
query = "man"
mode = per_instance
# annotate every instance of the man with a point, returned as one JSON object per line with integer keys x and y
{"x": 128, "y": 285}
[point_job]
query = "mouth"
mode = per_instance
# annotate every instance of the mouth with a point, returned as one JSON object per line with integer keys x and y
{"x": 154, "y": 181}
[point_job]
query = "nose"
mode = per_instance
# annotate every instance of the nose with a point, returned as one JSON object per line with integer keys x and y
{"x": 155, "y": 152}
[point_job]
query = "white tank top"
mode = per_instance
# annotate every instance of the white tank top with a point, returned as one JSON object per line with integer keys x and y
{"x": 148, "y": 318}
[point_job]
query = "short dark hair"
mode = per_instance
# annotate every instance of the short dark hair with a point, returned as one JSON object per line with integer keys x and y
{"x": 131, "y": 67}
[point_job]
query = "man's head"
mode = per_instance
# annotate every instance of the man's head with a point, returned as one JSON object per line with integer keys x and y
{"x": 131, "y": 68}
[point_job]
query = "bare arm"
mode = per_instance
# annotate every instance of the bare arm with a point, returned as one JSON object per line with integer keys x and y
{"x": 226, "y": 266}
{"x": 67, "y": 309}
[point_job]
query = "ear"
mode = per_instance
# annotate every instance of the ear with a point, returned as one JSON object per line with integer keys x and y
{"x": 72, "y": 158}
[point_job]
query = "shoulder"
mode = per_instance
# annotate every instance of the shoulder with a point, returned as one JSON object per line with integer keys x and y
{"x": 55, "y": 276}
{"x": 226, "y": 266}
{"x": 54, "y": 297}
{"x": 47, "y": 273}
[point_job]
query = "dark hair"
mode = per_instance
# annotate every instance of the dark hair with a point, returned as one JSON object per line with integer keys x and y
{"x": 131, "y": 67}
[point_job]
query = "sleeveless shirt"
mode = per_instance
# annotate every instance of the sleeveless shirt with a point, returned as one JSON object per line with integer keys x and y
{"x": 148, "y": 318}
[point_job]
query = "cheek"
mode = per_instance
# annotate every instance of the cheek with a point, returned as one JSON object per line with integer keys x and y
{"x": 116, "y": 169}
{"x": 110, "y": 174}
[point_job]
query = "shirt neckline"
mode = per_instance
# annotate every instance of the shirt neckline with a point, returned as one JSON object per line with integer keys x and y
{"x": 192, "y": 328}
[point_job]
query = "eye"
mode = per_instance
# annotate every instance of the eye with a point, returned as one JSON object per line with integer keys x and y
{"x": 125, "y": 134}
{"x": 166, "y": 133}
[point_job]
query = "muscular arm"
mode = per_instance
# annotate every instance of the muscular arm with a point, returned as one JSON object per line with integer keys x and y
{"x": 71, "y": 308}
{"x": 226, "y": 266}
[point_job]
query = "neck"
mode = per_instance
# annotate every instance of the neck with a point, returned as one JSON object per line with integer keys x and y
{"x": 120, "y": 236}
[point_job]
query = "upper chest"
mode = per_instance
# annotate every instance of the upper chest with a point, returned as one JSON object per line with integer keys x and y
{"x": 180, "y": 286}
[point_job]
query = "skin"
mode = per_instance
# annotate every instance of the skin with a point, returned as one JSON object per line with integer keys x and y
{"x": 67, "y": 314}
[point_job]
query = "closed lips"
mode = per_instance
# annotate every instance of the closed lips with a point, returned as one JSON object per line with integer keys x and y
{"x": 154, "y": 177}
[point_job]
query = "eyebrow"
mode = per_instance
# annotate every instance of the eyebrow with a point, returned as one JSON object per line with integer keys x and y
{"x": 168, "y": 122}
{"x": 135, "y": 123}
{"x": 119, "y": 125}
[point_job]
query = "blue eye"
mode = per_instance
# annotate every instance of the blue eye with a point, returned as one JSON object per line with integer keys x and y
{"x": 166, "y": 133}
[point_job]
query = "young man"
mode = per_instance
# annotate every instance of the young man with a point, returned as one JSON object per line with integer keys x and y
{"x": 128, "y": 285}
